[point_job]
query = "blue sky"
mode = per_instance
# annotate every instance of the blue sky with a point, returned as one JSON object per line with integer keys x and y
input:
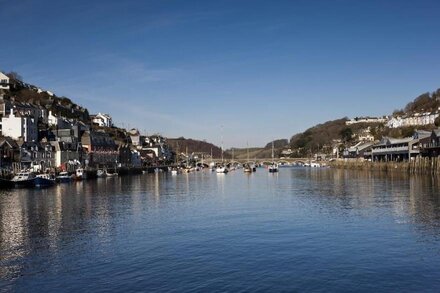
{"x": 261, "y": 69}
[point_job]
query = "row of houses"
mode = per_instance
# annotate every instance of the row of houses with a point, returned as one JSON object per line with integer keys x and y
{"x": 33, "y": 138}
{"x": 68, "y": 149}
{"x": 422, "y": 143}
{"x": 416, "y": 119}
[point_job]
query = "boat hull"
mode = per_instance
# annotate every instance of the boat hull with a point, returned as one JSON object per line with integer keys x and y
{"x": 43, "y": 182}
{"x": 222, "y": 170}
{"x": 28, "y": 183}
{"x": 64, "y": 179}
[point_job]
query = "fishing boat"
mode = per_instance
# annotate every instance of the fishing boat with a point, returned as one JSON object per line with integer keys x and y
{"x": 24, "y": 179}
{"x": 44, "y": 180}
{"x": 63, "y": 177}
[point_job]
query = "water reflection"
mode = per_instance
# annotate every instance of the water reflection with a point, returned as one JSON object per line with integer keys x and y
{"x": 410, "y": 198}
{"x": 41, "y": 225}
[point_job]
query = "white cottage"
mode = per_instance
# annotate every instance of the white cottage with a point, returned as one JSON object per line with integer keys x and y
{"x": 4, "y": 81}
{"x": 20, "y": 126}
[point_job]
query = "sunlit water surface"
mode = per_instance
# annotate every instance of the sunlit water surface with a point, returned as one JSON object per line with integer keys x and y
{"x": 299, "y": 230}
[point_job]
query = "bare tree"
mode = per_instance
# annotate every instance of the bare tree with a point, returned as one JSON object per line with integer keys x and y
{"x": 14, "y": 75}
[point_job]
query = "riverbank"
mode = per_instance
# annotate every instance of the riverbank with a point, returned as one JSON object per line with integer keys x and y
{"x": 417, "y": 166}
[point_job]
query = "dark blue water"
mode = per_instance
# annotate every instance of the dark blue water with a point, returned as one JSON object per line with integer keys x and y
{"x": 299, "y": 230}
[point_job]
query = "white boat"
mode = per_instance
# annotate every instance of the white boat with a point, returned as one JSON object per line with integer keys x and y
{"x": 24, "y": 179}
{"x": 174, "y": 172}
{"x": 222, "y": 169}
{"x": 273, "y": 168}
{"x": 63, "y": 177}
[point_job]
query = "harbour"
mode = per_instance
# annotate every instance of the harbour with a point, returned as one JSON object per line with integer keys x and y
{"x": 325, "y": 229}
{"x": 219, "y": 146}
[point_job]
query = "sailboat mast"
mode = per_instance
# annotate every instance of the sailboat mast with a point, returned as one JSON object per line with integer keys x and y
{"x": 222, "y": 141}
{"x": 272, "y": 150}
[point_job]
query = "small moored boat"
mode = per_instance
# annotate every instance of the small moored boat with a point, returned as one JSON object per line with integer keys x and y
{"x": 273, "y": 168}
{"x": 24, "y": 179}
{"x": 222, "y": 169}
{"x": 44, "y": 180}
{"x": 79, "y": 174}
{"x": 247, "y": 168}
{"x": 63, "y": 177}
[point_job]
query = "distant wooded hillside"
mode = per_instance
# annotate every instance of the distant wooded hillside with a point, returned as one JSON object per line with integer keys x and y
{"x": 427, "y": 102}
{"x": 182, "y": 145}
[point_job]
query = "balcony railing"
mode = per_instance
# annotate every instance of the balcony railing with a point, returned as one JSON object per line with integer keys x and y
{"x": 390, "y": 150}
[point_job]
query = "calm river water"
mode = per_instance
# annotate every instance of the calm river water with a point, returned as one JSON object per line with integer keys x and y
{"x": 299, "y": 230}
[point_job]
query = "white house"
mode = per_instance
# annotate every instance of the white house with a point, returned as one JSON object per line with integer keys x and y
{"x": 365, "y": 135}
{"x": 135, "y": 137}
{"x": 416, "y": 119}
{"x": 23, "y": 126}
{"x": 103, "y": 120}
{"x": 4, "y": 81}
{"x": 52, "y": 120}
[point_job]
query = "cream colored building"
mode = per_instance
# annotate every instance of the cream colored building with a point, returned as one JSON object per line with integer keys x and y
{"x": 4, "y": 81}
